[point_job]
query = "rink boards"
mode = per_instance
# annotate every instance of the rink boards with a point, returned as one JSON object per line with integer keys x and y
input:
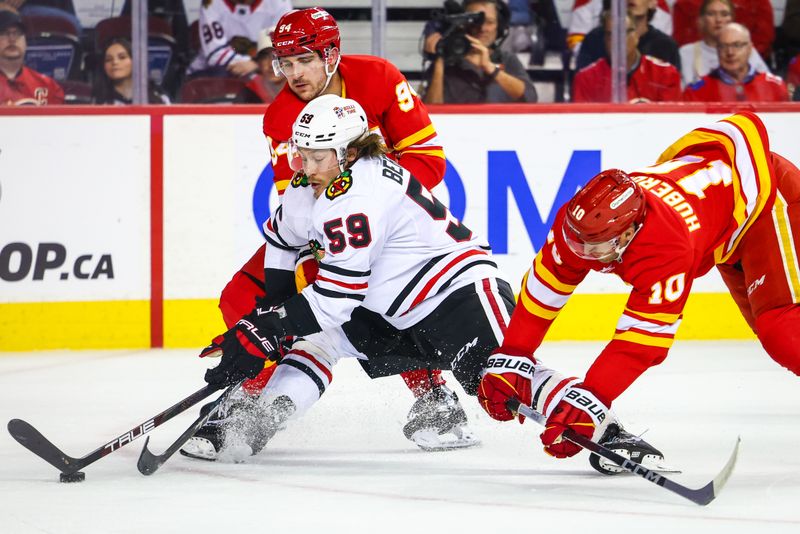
{"x": 119, "y": 230}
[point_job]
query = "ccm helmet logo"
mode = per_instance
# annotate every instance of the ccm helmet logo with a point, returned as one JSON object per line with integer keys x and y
{"x": 622, "y": 198}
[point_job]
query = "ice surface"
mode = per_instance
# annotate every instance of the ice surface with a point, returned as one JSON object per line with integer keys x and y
{"x": 346, "y": 467}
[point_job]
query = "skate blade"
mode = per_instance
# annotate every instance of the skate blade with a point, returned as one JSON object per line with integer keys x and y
{"x": 429, "y": 440}
{"x": 199, "y": 449}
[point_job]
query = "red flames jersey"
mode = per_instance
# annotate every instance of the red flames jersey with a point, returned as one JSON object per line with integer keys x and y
{"x": 29, "y": 88}
{"x": 393, "y": 109}
{"x": 702, "y": 195}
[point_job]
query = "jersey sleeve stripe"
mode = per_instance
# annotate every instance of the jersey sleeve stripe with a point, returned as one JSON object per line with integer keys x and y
{"x": 356, "y": 287}
{"x": 536, "y": 308}
{"x": 534, "y": 289}
{"x": 343, "y": 272}
{"x": 415, "y": 138}
{"x": 549, "y": 278}
{"x": 274, "y": 241}
{"x": 336, "y": 294}
{"x": 644, "y": 339}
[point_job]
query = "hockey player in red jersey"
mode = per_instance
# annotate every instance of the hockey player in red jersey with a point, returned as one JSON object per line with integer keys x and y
{"x": 306, "y": 47}
{"x": 717, "y": 196}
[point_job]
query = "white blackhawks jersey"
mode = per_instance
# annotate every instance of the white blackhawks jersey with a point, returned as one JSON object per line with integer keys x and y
{"x": 384, "y": 242}
{"x": 222, "y": 20}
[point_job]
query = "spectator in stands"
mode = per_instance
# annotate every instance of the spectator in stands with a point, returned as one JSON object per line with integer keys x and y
{"x": 229, "y": 32}
{"x": 700, "y": 57}
{"x": 263, "y": 87}
{"x": 736, "y": 79}
{"x": 114, "y": 85}
{"x": 756, "y": 15}
{"x": 652, "y": 42}
{"x": 486, "y": 73}
{"x": 586, "y": 17}
{"x": 20, "y": 85}
{"x": 649, "y": 79}
{"x": 790, "y": 28}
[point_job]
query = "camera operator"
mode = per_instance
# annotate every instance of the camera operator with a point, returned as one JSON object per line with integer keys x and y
{"x": 469, "y": 66}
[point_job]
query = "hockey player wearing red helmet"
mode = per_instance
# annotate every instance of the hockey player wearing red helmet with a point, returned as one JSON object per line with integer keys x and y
{"x": 307, "y": 53}
{"x": 717, "y": 197}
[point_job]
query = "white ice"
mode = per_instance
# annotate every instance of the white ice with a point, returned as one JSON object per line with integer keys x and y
{"x": 346, "y": 467}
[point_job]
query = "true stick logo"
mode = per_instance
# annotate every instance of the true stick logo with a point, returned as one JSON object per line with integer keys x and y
{"x": 131, "y": 435}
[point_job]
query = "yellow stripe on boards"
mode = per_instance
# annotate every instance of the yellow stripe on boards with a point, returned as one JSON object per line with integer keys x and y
{"x": 75, "y": 325}
{"x": 193, "y": 323}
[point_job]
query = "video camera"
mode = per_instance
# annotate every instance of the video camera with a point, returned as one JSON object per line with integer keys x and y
{"x": 456, "y": 23}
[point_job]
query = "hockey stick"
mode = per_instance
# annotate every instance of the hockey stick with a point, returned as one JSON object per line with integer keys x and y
{"x": 149, "y": 463}
{"x": 34, "y": 441}
{"x": 701, "y": 496}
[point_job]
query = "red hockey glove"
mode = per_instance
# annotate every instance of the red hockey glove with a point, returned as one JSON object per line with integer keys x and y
{"x": 579, "y": 410}
{"x": 245, "y": 348}
{"x": 505, "y": 377}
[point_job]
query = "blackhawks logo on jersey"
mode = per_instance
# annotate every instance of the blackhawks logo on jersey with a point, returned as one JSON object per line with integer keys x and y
{"x": 339, "y": 186}
{"x": 299, "y": 179}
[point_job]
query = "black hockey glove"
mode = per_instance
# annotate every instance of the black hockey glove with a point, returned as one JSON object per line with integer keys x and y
{"x": 245, "y": 348}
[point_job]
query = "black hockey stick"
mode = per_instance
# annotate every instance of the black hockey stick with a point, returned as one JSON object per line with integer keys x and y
{"x": 149, "y": 463}
{"x": 34, "y": 441}
{"x": 701, "y": 496}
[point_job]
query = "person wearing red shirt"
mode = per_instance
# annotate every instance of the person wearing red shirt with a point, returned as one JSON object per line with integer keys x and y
{"x": 306, "y": 49}
{"x": 736, "y": 78}
{"x": 649, "y": 78}
{"x": 19, "y": 85}
{"x": 718, "y": 196}
{"x": 756, "y": 15}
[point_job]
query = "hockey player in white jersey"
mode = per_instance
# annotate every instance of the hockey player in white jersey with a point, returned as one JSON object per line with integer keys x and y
{"x": 399, "y": 278}
{"x": 229, "y": 31}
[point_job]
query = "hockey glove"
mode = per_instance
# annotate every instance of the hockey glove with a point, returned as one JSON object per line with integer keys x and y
{"x": 245, "y": 348}
{"x": 579, "y": 410}
{"x": 505, "y": 377}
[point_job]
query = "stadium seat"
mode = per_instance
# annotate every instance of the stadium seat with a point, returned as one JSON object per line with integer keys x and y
{"x": 211, "y": 90}
{"x": 53, "y": 46}
{"x": 76, "y": 92}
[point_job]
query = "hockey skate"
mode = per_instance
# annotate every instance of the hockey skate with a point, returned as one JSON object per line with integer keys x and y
{"x": 632, "y": 447}
{"x": 437, "y": 422}
{"x": 239, "y": 430}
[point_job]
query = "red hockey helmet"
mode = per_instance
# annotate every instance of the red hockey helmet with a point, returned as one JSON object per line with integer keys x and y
{"x": 601, "y": 212}
{"x": 305, "y": 30}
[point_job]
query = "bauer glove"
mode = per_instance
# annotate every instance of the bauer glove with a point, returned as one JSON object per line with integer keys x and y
{"x": 579, "y": 410}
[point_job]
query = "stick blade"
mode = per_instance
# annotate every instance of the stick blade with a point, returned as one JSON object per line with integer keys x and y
{"x": 33, "y": 440}
{"x": 148, "y": 462}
